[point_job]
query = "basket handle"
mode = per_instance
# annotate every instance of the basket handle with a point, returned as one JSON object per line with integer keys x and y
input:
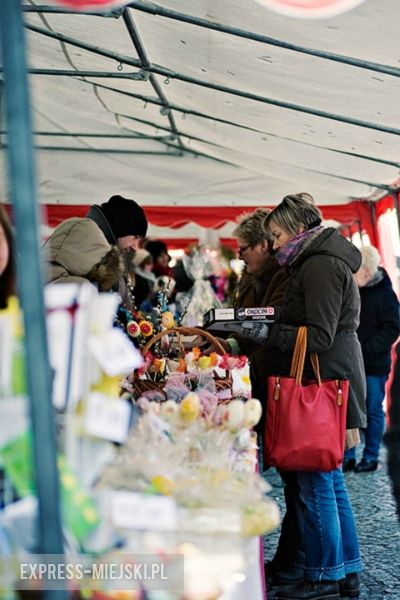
{"x": 185, "y": 331}
{"x": 299, "y": 355}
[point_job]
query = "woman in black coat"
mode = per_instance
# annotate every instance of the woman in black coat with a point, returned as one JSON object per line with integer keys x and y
{"x": 321, "y": 293}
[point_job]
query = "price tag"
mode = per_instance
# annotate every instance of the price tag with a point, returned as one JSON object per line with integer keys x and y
{"x": 107, "y": 418}
{"x": 114, "y": 352}
{"x": 138, "y": 511}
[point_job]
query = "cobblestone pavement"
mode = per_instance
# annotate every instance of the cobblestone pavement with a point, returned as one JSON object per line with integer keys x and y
{"x": 378, "y": 531}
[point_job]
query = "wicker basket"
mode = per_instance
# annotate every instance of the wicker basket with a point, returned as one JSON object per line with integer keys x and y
{"x": 143, "y": 385}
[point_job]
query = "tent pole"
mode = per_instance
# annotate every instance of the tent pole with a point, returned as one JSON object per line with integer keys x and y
{"x": 195, "y": 113}
{"x": 372, "y": 209}
{"x": 146, "y": 64}
{"x": 169, "y": 74}
{"x": 156, "y": 10}
{"x": 21, "y": 176}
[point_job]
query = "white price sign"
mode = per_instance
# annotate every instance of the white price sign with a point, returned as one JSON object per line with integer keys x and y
{"x": 139, "y": 511}
{"x": 114, "y": 352}
{"x": 107, "y": 418}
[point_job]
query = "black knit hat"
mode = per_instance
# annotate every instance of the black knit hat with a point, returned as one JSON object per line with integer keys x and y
{"x": 125, "y": 217}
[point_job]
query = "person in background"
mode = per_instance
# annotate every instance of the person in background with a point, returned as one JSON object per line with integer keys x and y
{"x": 262, "y": 283}
{"x": 392, "y": 436}
{"x": 91, "y": 248}
{"x": 321, "y": 293}
{"x": 161, "y": 258}
{"x": 7, "y": 260}
{"x": 379, "y": 329}
{"x": 140, "y": 268}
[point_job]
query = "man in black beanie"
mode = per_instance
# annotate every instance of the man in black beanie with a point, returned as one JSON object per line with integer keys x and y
{"x": 122, "y": 221}
{"x": 80, "y": 249}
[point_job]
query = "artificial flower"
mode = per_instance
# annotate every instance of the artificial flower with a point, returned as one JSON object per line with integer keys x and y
{"x": 167, "y": 320}
{"x": 148, "y": 359}
{"x": 146, "y": 328}
{"x": 214, "y": 359}
{"x": 196, "y": 353}
{"x": 223, "y": 362}
{"x": 241, "y": 361}
{"x": 182, "y": 366}
{"x": 133, "y": 329}
{"x": 159, "y": 365}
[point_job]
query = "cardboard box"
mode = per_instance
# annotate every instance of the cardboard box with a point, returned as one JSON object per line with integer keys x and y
{"x": 217, "y": 316}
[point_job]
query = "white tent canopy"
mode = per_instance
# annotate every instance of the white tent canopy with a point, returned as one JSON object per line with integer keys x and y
{"x": 220, "y": 119}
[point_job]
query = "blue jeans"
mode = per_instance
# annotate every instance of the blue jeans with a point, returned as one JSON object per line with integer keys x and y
{"x": 330, "y": 537}
{"x": 375, "y": 418}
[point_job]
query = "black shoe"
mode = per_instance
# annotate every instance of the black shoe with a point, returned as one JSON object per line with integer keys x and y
{"x": 365, "y": 466}
{"x": 280, "y": 575}
{"x": 310, "y": 590}
{"x": 348, "y": 464}
{"x": 349, "y": 587}
{"x": 285, "y": 578}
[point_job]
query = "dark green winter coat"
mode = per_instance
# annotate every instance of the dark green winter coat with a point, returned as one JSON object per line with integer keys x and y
{"x": 266, "y": 288}
{"x": 322, "y": 294}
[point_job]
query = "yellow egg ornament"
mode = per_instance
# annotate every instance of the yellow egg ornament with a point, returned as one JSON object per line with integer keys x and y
{"x": 189, "y": 408}
{"x": 204, "y": 362}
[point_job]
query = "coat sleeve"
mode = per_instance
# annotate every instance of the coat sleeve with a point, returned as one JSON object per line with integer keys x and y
{"x": 389, "y": 326}
{"x": 273, "y": 297}
{"x": 321, "y": 282}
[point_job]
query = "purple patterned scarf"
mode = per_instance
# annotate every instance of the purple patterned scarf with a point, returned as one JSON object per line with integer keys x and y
{"x": 288, "y": 253}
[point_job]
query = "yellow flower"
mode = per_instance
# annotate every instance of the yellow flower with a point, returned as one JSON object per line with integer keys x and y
{"x": 214, "y": 359}
{"x": 159, "y": 365}
{"x": 167, "y": 320}
{"x": 163, "y": 485}
{"x": 146, "y": 328}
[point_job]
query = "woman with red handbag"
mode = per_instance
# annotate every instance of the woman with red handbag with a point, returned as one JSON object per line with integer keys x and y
{"x": 322, "y": 295}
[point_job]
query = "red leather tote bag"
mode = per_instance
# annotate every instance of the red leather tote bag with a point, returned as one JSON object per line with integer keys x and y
{"x": 305, "y": 424}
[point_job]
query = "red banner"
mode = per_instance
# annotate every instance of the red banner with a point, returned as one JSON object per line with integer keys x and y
{"x": 84, "y": 4}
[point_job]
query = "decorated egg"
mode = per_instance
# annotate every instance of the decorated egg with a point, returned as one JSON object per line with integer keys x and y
{"x": 252, "y": 412}
{"x": 190, "y": 407}
{"x": 235, "y": 414}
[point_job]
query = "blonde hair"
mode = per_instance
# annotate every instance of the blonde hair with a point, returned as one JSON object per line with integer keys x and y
{"x": 294, "y": 212}
{"x": 250, "y": 226}
{"x": 370, "y": 259}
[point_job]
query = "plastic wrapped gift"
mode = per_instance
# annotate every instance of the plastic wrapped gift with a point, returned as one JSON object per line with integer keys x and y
{"x": 192, "y": 305}
{"x": 194, "y": 461}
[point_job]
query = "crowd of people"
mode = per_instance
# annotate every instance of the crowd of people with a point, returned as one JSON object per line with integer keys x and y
{"x": 318, "y": 279}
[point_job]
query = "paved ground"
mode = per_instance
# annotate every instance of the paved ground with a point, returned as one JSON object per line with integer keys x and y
{"x": 378, "y": 530}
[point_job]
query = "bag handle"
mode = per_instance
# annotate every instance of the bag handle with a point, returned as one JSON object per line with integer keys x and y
{"x": 185, "y": 331}
{"x": 299, "y": 356}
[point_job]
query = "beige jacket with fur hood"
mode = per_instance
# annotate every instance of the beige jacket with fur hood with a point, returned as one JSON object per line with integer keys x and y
{"x": 77, "y": 251}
